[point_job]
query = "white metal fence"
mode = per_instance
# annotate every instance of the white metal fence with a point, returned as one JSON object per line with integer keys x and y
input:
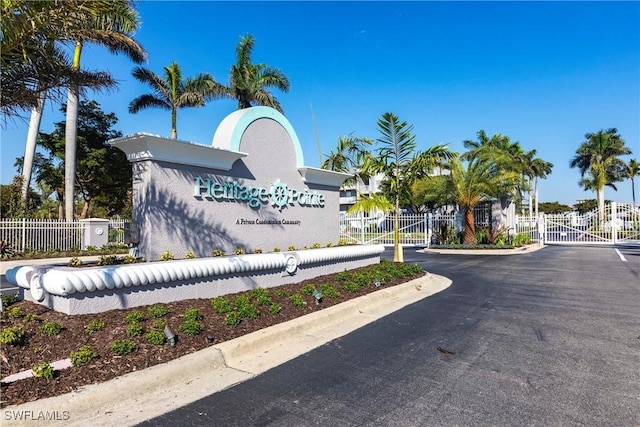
{"x": 43, "y": 234}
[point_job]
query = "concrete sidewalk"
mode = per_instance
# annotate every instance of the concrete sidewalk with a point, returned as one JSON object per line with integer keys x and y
{"x": 142, "y": 395}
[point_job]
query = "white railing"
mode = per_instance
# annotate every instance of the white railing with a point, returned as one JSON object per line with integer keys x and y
{"x": 43, "y": 234}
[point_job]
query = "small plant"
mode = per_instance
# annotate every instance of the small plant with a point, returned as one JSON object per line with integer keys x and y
{"x": 245, "y": 308}
{"x": 193, "y": 313}
{"x": 107, "y": 259}
{"x": 191, "y": 327}
{"x": 276, "y": 249}
{"x": 316, "y": 245}
{"x": 329, "y": 291}
{"x": 9, "y": 299}
{"x": 281, "y": 293}
{"x": 135, "y": 316}
{"x": 84, "y": 355}
{"x": 292, "y": 248}
{"x": 128, "y": 259}
{"x": 158, "y": 325}
{"x": 239, "y": 251}
{"x": 297, "y": 300}
{"x": 190, "y": 255}
{"x": 43, "y": 370}
{"x": 135, "y": 330}
{"x": 232, "y": 318}
{"x": 6, "y": 250}
{"x": 50, "y": 328}
{"x": 157, "y": 311}
{"x": 94, "y": 326}
{"x": 37, "y": 349}
{"x": 13, "y": 335}
{"x": 274, "y": 309}
{"x": 30, "y": 317}
{"x": 307, "y": 289}
{"x": 351, "y": 287}
{"x": 75, "y": 262}
{"x": 217, "y": 252}
{"x": 15, "y": 312}
{"x": 166, "y": 256}
{"x": 257, "y": 251}
{"x": 155, "y": 337}
{"x": 122, "y": 347}
{"x": 221, "y": 305}
{"x": 329, "y": 244}
{"x": 342, "y": 242}
{"x": 261, "y": 296}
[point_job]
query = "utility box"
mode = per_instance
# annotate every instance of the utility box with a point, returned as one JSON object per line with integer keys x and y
{"x": 96, "y": 232}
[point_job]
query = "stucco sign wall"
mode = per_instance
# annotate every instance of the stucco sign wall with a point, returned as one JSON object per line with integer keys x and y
{"x": 249, "y": 189}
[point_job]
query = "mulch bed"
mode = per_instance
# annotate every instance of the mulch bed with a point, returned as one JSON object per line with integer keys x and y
{"x": 38, "y": 348}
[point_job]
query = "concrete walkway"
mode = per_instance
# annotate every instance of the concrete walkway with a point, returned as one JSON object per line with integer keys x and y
{"x": 142, "y": 395}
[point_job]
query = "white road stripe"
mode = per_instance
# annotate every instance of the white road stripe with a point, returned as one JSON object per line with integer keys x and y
{"x": 621, "y": 256}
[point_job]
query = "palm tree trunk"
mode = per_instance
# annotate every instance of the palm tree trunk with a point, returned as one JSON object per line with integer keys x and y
{"x": 469, "y": 228}
{"x": 536, "y": 187}
{"x": 174, "y": 119}
{"x": 30, "y": 147}
{"x": 71, "y": 129}
{"x": 633, "y": 194}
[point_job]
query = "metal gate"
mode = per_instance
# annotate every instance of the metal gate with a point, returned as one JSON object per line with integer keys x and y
{"x": 365, "y": 229}
{"x": 615, "y": 224}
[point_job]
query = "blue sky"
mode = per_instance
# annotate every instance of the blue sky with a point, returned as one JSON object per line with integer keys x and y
{"x": 543, "y": 73}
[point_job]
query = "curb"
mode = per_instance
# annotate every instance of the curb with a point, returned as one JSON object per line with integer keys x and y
{"x": 142, "y": 395}
{"x": 517, "y": 251}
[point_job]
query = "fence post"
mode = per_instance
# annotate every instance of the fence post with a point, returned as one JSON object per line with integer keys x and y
{"x": 427, "y": 229}
{"x": 24, "y": 234}
{"x": 362, "y": 228}
{"x": 614, "y": 222}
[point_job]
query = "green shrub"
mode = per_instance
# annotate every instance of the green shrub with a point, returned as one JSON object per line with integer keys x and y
{"x": 128, "y": 259}
{"x": 107, "y": 259}
{"x": 13, "y": 335}
{"x": 84, "y": 355}
{"x": 276, "y": 249}
{"x": 329, "y": 291}
{"x": 217, "y": 252}
{"x": 343, "y": 276}
{"x": 159, "y": 325}
{"x": 122, "y": 347}
{"x": 261, "y": 296}
{"x": 221, "y": 305}
{"x": 155, "y": 337}
{"x": 351, "y": 287}
{"x": 232, "y": 318}
{"x": 257, "y": 251}
{"x": 315, "y": 245}
{"x": 189, "y": 255}
{"x": 75, "y": 262}
{"x": 245, "y": 308}
{"x": 135, "y": 316}
{"x": 275, "y": 309}
{"x": 193, "y": 314}
{"x": 157, "y": 311}
{"x": 292, "y": 248}
{"x": 191, "y": 327}
{"x": 308, "y": 289}
{"x": 9, "y": 299}
{"x": 31, "y": 317}
{"x": 297, "y": 300}
{"x": 94, "y": 326}
{"x": 15, "y": 312}
{"x": 282, "y": 293}
{"x": 239, "y": 251}
{"x": 50, "y": 328}
{"x": 43, "y": 370}
{"x": 135, "y": 330}
{"x": 166, "y": 256}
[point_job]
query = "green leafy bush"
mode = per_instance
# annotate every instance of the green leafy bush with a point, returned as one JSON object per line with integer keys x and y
{"x": 221, "y": 305}
{"x": 128, "y": 259}
{"x": 155, "y": 337}
{"x": 192, "y": 313}
{"x": 329, "y": 291}
{"x": 13, "y": 335}
{"x": 275, "y": 309}
{"x": 43, "y": 370}
{"x": 135, "y": 316}
{"x": 190, "y": 255}
{"x": 308, "y": 289}
{"x": 257, "y": 251}
{"x": 15, "y": 312}
{"x": 9, "y": 299}
{"x": 297, "y": 300}
{"x": 75, "y": 262}
{"x": 94, "y": 326}
{"x": 239, "y": 251}
{"x": 50, "y": 328}
{"x": 276, "y": 249}
{"x": 191, "y": 327}
{"x": 245, "y": 308}
{"x": 292, "y": 248}
{"x": 159, "y": 325}
{"x": 122, "y": 347}
{"x": 157, "y": 311}
{"x": 232, "y": 318}
{"x": 166, "y": 256}
{"x": 107, "y": 259}
{"x": 351, "y": 287}
{"x": 84, "y": 355}
{"x": 217, "y": 252}
{"x": 31, "y": 317}
{"x": 261, "y": 296}
{"x": 315, "y": 245}
{"x": 135, "y": 330}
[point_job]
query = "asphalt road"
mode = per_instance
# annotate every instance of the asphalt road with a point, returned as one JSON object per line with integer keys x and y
{"x": 549, "y": 338}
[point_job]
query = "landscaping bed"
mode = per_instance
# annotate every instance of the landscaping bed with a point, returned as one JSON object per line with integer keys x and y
{"x": 122, "y": 341}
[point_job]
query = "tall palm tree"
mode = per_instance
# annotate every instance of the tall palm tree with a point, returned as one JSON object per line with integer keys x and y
{"x": 398, "y": 160}
{"x": 349, "y": 156}
{"x": 110, "y": 24}
{"x": 599, "y": 156}
{"x": 173, "y": 92}
{"x": 248, "y": 82}
{"x": 632, "y": 169}
{"x": 480, "y": 179}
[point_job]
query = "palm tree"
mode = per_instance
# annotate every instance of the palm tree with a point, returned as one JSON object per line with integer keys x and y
{"x": 349, "y": 156}
{"x": 400, "y": 163}
{"x": 541, "y": 168}
{"x": 598, "y": 156}
{"x": 109, "y": 24}
{"x": 632, "y": 169}
{"x": 172, "y": 92}
{"x": 480, "y": 179}
{"x": 248, "y": 82}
